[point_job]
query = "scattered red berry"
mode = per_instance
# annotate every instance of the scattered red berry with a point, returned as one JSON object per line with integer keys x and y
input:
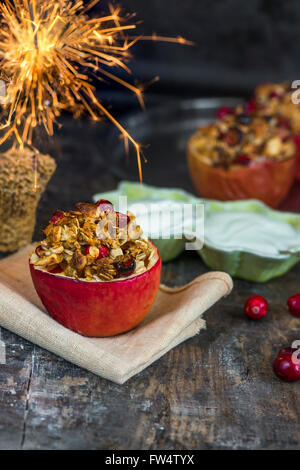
{"x": 39, "y": 251}
{"x": 122, "y": 220}
{"x": 250, "y": 106}
{"x": 285, "y": 367}
{"x": 56, "y": 270}
{"x": 293, "y": 304}
{"x": 242, "y": 160}
{"x": 224, "y": 111}
{"x": 103, "y": 252}
{"x": 126, "y": 268}
{"x": 105, "y": 206}
{"x": 256, "y": 307}
{"x": 57, "y": 216}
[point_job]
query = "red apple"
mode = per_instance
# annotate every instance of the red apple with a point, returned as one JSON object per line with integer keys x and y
{"x": 98, "y": 309}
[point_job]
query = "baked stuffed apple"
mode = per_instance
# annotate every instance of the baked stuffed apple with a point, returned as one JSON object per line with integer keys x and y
{"x": 95, "y": 272}
{"x": 242, "y": 156}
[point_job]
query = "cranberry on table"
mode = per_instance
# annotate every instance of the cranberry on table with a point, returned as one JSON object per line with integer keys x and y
{"x": 256, "y": 307}
{"x": 57, "y": 216}
{"x": 285, "y": 366}
{"x": 224, "y": 111}
{"x": 105, "y": 206}
{"x": 293, "y": 304}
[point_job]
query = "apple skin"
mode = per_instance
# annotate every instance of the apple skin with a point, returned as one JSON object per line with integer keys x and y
{"x": 98, "y": 309}
{"x": 297, "y": 143}
{"x": 268, "y": 181}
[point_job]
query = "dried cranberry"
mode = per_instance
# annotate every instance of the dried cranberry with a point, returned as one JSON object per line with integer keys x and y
{"x": 57, "y": 216}
{"x": 244, "y": 119}
{"x": 56, "y": 270}
{"x": 275, "y": 94}
{"x": 103, "y": 252}
{"x": 256, "y": 307}
{"x": 105, "y": 206}
{"x": 122, "y": 220}
{"x": 224, "y": 111}
{"x": 233, "y": 136}
{"x": 284, "y": 123}
{"x": 242, "y": 160}
{"x": 125, "y": 268}
{"x": 39, "y": 251}
{"x": 285, "y": 367}
{"x": 293, "y": 304}
{"x": 250, "y": 106}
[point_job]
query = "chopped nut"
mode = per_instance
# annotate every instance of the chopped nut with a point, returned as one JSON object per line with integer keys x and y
{"x": 116, "y": 252}
{"x": 88, "y": 209}
{"x": 94, "y": 251}
{"x": 273, "y": 147}
{"x": 78, "y": 261}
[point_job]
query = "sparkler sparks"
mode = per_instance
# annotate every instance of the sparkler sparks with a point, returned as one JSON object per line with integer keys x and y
{"x": 45, "y": 48}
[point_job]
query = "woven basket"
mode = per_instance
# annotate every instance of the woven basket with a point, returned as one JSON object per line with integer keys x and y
{"x": 24, "y": 175}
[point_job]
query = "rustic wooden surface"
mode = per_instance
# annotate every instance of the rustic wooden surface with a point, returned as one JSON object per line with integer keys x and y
{"x": 215, "y": 391}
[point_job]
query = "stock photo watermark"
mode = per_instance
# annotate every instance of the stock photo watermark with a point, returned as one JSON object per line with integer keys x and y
{"x": 163, "y": 220}
{"x": 296, "y": 94}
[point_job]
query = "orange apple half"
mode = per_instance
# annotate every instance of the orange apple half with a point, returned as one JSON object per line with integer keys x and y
{"x": 269, "y": 181}
{"x": 98, "y": 309}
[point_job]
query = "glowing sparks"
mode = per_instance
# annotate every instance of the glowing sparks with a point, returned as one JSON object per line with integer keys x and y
{"x": 47, "y": 49}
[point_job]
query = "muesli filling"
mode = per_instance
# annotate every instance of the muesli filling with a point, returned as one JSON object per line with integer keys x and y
{"x": 94, "y": 243}
{"x": 240, "y": 137}
{"x": 277, "y": 99}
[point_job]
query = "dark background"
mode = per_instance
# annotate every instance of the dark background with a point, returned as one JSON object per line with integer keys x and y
{"x": 238, "y": 44}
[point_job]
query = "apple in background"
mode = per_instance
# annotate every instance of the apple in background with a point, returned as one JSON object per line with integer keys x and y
{"x": 297, "y": 143}
{"x": 268, "y": 181}
{"x": 98, "y": 309}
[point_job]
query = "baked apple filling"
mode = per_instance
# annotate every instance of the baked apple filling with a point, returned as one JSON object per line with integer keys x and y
{"x": 241, "y": 137}
{"x": 94, "y": 243}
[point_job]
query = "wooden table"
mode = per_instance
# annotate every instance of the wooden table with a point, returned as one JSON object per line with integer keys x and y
{"x": 215, "y": 391}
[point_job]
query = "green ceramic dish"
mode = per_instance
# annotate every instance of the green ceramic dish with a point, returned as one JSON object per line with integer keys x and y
{"x": 245, "y": 264}
{"x": 248, "y": 264}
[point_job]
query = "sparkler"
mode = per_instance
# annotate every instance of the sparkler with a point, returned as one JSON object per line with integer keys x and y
{"x": 45, "y": 47}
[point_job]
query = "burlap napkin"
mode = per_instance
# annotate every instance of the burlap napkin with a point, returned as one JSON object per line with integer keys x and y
{"x": 174, "y": 317}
